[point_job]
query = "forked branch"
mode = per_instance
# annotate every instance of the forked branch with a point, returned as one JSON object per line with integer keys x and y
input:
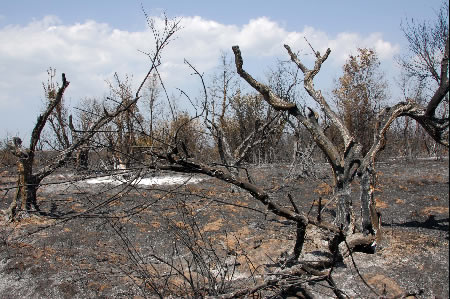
{"x": 310, "y": 121}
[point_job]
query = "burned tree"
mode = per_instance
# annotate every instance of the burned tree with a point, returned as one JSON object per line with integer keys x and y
{"x": 59, "y": 125}
{"x": 347, "y": 159}
{"x": 29, "y": 180}
{"x": 309, "y": 118}
{"x": 58, "y": 117}
{"x": 360, "y": 94}
{"x": 123, "y": 135}
{"x": 240, "y": 124}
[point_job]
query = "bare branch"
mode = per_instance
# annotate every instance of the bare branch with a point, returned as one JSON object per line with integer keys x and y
{"x": 317, "y": 94}
{"x": 269, "y": 96}
{"x": 42, "y": 118}
{"x": 313, "y": 127}
{"x": 443, "y": 89}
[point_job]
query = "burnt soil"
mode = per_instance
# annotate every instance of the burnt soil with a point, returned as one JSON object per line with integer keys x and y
{"x": 106, "y": 240}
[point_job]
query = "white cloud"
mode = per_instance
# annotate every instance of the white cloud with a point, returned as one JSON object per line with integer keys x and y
{"x": 90, "y": 52}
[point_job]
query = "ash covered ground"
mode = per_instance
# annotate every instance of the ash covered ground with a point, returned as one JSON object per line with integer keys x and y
{"x": 104, "y": 239}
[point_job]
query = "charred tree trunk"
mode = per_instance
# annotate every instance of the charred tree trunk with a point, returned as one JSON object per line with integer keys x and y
{"x": 369, "y": 214}
{"x": 82, "y": 153}
{"x": 27, "y": 183}
{"x": 301, "y": 232}
{"x": 82, "y": 159}
{"x": 344, "y": 212}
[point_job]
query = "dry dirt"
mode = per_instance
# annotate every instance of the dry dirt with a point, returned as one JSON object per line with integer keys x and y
{"x": 104, "y": 240}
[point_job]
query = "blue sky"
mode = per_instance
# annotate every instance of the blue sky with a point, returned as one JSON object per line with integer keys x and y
{"x": 90, "y": 40}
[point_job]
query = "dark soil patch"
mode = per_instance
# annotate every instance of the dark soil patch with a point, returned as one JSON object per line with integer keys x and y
{"x": 111, "y": 241}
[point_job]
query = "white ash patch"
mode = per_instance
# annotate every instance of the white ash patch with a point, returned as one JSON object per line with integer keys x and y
{"x": 164, "y": 180}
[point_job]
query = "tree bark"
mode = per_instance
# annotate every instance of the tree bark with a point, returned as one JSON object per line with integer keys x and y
{"x": 344, "y": 212}
{"x": 27, "y": 183}
{"x": 369, "y": 214}
{"x": 82, "y": 158}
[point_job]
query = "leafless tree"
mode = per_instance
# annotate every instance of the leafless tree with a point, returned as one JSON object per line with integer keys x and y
{"x": 122, "y": 133}
{"x": 59, "y": 133}
{"x": 239, "y": 123}
{"x": 29, "y": 180}
{"x": 347, "y": 159}
{"x": 153, "y": 92}
{"x": 58, "y": 118}
{"x": 425, "y": 71}
{"x": 426, "y": 60}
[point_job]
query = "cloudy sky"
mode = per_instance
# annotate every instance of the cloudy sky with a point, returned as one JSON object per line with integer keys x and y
{"x": 90, "y": 40}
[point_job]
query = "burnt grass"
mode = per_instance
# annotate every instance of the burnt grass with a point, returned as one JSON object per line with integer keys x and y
{"x": 119, "y": 241}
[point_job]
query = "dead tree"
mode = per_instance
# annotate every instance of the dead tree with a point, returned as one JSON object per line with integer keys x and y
{"x": 232, "y": 156}
{"x": 62, "y": 131}
{"x": 236, "y": 121}
{"x": 346, "y": 160}
{"x": 122, "y": 138}
{"x": 57, "y": 119}
{"x": 342, "y": 164}
{"x": 29, "y": 180}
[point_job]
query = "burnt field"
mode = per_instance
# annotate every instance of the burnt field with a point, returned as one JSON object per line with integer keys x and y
{"x": 197, "y": 236}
